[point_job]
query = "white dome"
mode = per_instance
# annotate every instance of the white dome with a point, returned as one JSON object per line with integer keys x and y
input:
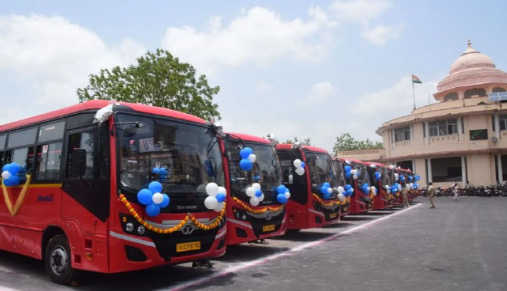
{"x": 471, "y": 59}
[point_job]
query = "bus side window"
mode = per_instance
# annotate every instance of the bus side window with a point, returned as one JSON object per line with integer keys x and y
{"x": 24, "y": 157}
{"x": 48, "y": 162}
{"x": 82, "y": 140}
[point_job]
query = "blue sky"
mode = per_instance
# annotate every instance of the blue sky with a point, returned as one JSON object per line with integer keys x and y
{"x": 312, "y": 69}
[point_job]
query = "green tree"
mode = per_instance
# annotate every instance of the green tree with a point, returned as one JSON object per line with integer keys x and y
{"x": 158, "y": 79}
{"x": 345, "y": 142}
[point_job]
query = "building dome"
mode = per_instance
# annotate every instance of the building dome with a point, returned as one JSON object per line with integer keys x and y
{"x": 471, "y": 59}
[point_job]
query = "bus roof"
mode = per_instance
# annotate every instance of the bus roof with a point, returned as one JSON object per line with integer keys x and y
{"x": 98, "y": 104}
{"x": 375, "y": 164}
{"x": 288, "y": 146}
{"x": 247, "y": 137}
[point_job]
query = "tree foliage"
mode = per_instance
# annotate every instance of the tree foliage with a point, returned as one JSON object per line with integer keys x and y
{"x": 158, "y": 79}
{"x": 345, "y": 142}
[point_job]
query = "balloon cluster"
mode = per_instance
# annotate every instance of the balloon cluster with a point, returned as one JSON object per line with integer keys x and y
{"x": 255, "y": 194}
{"x": 409, "y": 178}
{"x": 153, "y": 199}
{"x": 377, "y": 175}
{"x": 365, "y": 188}
{"x": 216, "y": 197}
{"x": 326, "y": 190}
{"x": 349, "y": 191}
{"x": 402, "y": 178}
{"x": 283, "y": 194}
{"x": 373, "y": 190}
{"x": 395, "y": 188}
{"x": 355, "y": 174}
{"x": 417, "y": 178}
{"x": 348, "y": 173}
{"x": 247, "y": 159}
{"x": 10, "y": 174}
{"x": 396, "y": 176}
{"x": 300, "y": 167}
{"x": 415, "y": 186}
{"x": 388, "y": 188}
{"x": 341, "y": 196}
{"x": 161, "y": 172}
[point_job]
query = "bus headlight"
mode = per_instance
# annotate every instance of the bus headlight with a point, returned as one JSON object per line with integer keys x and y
{"x": 129, "y": 227}
{"x": 141, "y": 230}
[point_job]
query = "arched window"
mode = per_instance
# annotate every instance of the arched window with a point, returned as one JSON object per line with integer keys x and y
{"x": 451, "y": 96}
{"x": 475, "y": 91}
{"x": 498, "y": 89}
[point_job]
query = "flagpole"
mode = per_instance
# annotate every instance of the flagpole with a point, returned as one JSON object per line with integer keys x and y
{"x": 413, "y": 91}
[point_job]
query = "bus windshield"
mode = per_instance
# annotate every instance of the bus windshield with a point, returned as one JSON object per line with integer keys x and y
{"x": 266, "y": 170}
{"x": 321, "y": 170}
{"x": 339, "y": 172}
{"x": 362, "y": 172}
{"x": 189, "y": 154}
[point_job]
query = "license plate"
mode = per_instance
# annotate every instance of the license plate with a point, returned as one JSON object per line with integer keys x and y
{"x": 189, "y": 246}
{"x": 269, "y": 227}
{"x": 332, "y": 215}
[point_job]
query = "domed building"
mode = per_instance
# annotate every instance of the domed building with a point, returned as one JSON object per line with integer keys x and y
{"x": 461, "y": 138}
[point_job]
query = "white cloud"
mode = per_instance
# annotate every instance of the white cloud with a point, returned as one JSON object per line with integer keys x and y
{"x": 258, "y": 36}
{"x": 53, "y": 57}
{"x": 380, "y": 34}
{"x": 321, "y": 92}
{"x": 359, "y": 10}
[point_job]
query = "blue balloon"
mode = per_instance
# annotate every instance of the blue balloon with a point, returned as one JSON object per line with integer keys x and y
{"x": 327, "y": 184}
{"x": 349, "y": 192}
{"x": 166, "y": 201}
{"x": 347, "y": 168}
{"x": 327, "y": 196}
{"x": 257, "y": 178}
{"x": 377, "y": 175}
{"x": 155, "y": 187}
{"x": 323, "y": 190}
{"x": 155, "y": 171}
{"x": 5, "y": 168}
{"x": 281, "y": 198}
{"x": 303, "y": 164}
{"x": 152, "y": 209}
{"x": 245, "y": 164}
{"x": 348, "y": 175}
{"x": 245, "y": 152}
{"x": 144, "y": 196}
{"x": 220, "y": 197}
{"x": 348, "y": 187}
{"x": 14, "y": 168}
{"x": 258, "y": 193}
{"x": 281, "y": 189}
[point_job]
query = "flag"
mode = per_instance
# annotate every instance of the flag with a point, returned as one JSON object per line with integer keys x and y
{"x": 416, "y": 79}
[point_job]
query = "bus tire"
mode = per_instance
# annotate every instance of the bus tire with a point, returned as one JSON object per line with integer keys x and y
{"x": 57, "y": 260}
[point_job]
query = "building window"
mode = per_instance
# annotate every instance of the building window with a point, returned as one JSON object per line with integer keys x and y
{"x": 475, "y": 91}
{"x": 401, "y": 134}
{"x": 443, "y": 127}
{"x": 498, "y": 89}
{"x": 451, "y": 96}
{"x": 406, "y": 165}
{"x": 446, "y": 170}
{"x": 503, "y": 122}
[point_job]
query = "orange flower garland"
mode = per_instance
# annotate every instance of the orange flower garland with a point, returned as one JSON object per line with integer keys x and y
{"x": 257, "y": 211}
{"x": 212, "y": 225}
{"x": 333, "y": 202}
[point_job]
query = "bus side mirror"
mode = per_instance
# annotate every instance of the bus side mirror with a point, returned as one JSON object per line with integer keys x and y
{"x": 78, "y": 165}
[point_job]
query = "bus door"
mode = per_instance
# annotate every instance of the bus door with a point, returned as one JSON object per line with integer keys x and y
{"x": 87, "y": 179}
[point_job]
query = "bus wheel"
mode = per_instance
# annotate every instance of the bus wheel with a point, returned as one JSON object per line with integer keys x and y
{"x": 58, "y": 260}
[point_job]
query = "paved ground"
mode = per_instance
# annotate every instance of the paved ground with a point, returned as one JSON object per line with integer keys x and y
{"x": 456, "y": 246}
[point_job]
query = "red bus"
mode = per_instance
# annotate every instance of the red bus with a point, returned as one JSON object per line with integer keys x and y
{"x": 82, "y": 209}
{"x": 362, "y": 198}
{"x": 342, "y": 182}
{"x": 394, "y": 186}
{"x": 253, "y": 215}
{"x": 314, "y": 199}
{"x": 379, "y": 179}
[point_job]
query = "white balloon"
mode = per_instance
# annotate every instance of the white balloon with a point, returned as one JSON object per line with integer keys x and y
{"x": 354, "y": 177}
{"x": 219, "y": 207}
{"x": 329, "y": 190}
{"x": 222, "y": 190}
{"x": 250, "y": 191}
{"x": 287, "y": 194}
{"x": 256, "y": 186}
{"x": 340, "y": 189}
{"x": 252, "y": 158}
{"x": 352, "y": 190}
{"x": 368, "y": 189}
{"x": 211, "y": 202}
{"x": 6, "y": 175}
{"x": 254, "y": 201}
{"x": 297, "y": 163}
{"x": 212, "y": 189}
{"x": 353, "y": 172}
{"x": 261, "y": 198}
{"x": 157, "y": 198}
{"x": 387, "y": 186}
{"x": 341, "y": 197}
{"x": 300, "y": 171}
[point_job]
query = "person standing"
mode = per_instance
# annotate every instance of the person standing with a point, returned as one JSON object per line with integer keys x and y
{"x": 455, "y": 191}
{"x": 404, "y": 194}
{"x": 431, "y": 194}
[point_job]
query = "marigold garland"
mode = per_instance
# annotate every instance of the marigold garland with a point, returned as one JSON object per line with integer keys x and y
{"x": 257, "y": 211}
{"x": 213, "y": 224}
{"x": 328, "y": 204}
